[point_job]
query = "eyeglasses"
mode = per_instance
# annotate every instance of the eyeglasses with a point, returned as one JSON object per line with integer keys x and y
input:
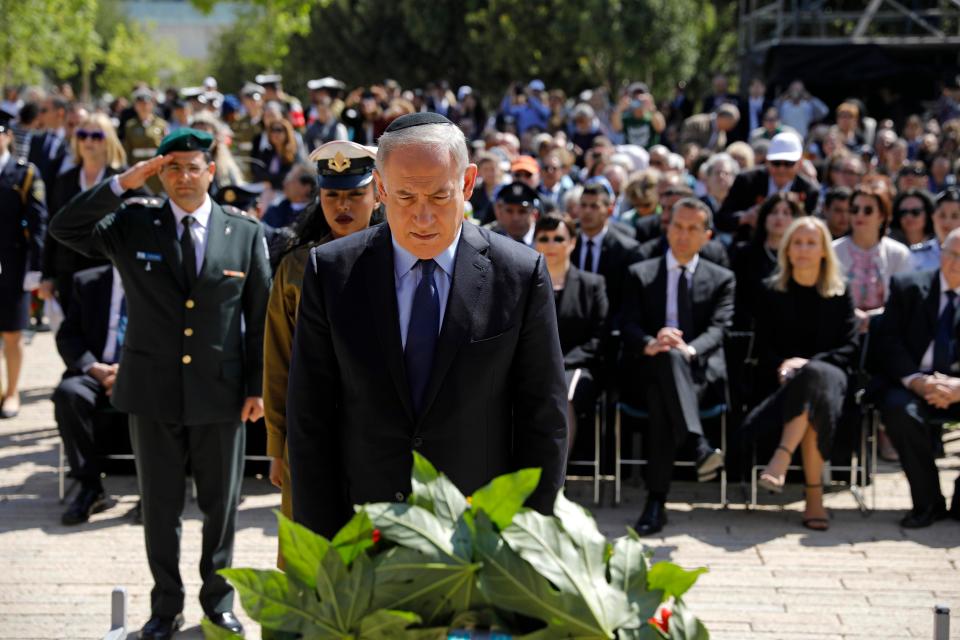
{"x": 83, "y": 134}
{"x": 191, "y": 170}
{"x": 916, "y": 211}
{"x": 867, "y": 211}
{"x": 782, "y": 164}
{"x": 522, "y": 175}
{"x": 549, "y": 239}
{"x": 551, "y": 168}
{"x": 277, "y": 130}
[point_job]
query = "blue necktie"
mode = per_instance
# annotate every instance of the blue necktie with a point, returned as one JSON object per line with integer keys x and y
{"x": 121, "y": 328}
{"x": 422, "y": 333}
{"x": 943, "y": 341}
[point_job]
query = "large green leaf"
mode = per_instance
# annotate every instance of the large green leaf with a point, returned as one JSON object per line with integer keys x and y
{"x": 503, "y": 496}
{"x": 386, "y": 625}
{"x": 435, "y": 492}
{"x": 511, "y": 583}
{"x": 413, "y": 527}
{"x": 433, "y": 587}
{"x": 215, "y": 632}
{"x": 302, "y": 550}
{"x": 672, "y": 579}
{"x": 684, "y": 625}
{"x": 629, "y": 565}
{"x": 344, "y": 594}
{"x": 272, "y": 600}
{"x": 354, "y": 538}
{"x": 541, "y": 541}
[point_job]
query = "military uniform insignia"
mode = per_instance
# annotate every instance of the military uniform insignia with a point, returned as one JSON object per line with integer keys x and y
{"x": 38, "y": 190}
{"x": 339, "y": 162}
{"x": 229, "y": 196}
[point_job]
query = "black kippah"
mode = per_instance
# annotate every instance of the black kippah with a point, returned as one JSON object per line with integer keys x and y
{"x": 416, "y": 120}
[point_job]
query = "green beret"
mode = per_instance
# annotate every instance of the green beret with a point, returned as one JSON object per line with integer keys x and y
{"x": 185, "y": 139}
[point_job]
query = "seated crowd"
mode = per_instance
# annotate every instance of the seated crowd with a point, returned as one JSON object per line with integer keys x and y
{"x": 818, "y": 235}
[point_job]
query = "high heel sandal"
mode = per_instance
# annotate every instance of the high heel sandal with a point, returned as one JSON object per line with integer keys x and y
{"x": 770, "y": 482}
{"x": 816, "y": 524}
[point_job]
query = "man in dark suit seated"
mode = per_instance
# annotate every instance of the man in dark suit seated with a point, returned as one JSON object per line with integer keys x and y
{"x": 713, "y": 250}
{"x": 423, "y": 334}
{"x": 918, "y": 357}
{"x": 675, "y": 311}
{"x": 780, "y": 172}
{"x": 600, "y": 247}
{"x": 89, "y": 342}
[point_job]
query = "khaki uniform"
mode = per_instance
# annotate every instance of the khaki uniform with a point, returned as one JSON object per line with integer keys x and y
{"x": 141, "y": 140}
{"x": 245, "y": 132}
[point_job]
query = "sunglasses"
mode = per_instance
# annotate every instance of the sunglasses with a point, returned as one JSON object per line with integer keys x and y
{"x": 782, "y": 164}
{"x": 548, "y": 239}
{"x": 867, "y": 211}
{"x": 917, "y": 211}
{"x": 522, "y": 175}
{"x": 83, "y": 134}
{"x": 277, "y": 130}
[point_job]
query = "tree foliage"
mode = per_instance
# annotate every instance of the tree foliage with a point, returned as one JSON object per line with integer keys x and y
{"x": 575, "y": 44}
{"x": 133, "y": 55}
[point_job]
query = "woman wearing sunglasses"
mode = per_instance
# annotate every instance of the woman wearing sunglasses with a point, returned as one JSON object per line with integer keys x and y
{"x": 581, "y": 302}
{"x": 279, "y": 148}
{"x": 912, "y": 222}
{"x": 99, "y": 156}
{"x": 867, "y": 256}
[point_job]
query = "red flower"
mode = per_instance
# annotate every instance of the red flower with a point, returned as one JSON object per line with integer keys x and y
{"x": 375, "y": 536}
{"x": 661, "y": 619}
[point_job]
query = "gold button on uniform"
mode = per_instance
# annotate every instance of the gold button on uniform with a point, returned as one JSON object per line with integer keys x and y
{"x": 188, "y": 332}
{"x": 190, "y": 304}
{"x": 186, "y": 359}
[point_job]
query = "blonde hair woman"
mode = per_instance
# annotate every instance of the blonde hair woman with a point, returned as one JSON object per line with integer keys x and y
{"x": 806, "y": 333}
{"x": 99, "y": 156}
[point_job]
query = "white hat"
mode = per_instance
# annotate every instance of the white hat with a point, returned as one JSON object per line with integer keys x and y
{"x": 342, "y": 164}
{"x": 785, "y": 146}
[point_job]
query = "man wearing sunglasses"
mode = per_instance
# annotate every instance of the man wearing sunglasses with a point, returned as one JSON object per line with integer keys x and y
{"x": 780, "y": 172}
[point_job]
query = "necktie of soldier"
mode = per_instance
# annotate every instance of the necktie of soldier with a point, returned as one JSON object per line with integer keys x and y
{"x": 588, "y": 260}
{"x": 422, "y": 333}
{"x": 943, "y": 355}
{"x": 188, "y": 252}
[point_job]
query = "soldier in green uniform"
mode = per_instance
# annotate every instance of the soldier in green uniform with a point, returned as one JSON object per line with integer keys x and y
{"x": 142, "y": 135}
{"x": 247, "y": 128}
{"x": 191, "y": 371}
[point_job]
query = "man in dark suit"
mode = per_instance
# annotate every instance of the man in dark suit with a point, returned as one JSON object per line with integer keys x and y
{"x": 752, "y": 110}
{"x": 738, "y": 213}
{"x": 713, "y": 250}
{"x": 600, "y": 248}
{"x": 424, "y": 334}
{"x": 918, "y": 357}
{"x": 89, "y": 342}
{"x": 49, "y": 149}
{"x": 197, "y": 279}
{"x": 675, "y": 311}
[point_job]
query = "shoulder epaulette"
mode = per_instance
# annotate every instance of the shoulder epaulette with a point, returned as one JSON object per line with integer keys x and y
{"x": 143, "y": 201}
{"x": 238, "y": 213}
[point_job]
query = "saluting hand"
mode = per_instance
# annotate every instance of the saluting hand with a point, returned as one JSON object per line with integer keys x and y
{"x": 137, "y": 175}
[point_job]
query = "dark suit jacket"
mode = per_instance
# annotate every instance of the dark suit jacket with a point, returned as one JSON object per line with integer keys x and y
{"x": 58, "y": 260}
{"x": 47, "y": 152}
{"x": 714, "y": 251}
{"x": 581, "y": 318}
{"x": 225, "y": 364}
{"x": 82, "y": 336}
{"x": 648, "y": 227}
{"x": 645, "y": 312}
{"x": 496, "y": 401}
{"x": 617, "y": 252}
{"x": 780, "y": 318}
{"x": 23, "y": 224}
{"x": 742, "y": 130}
{"x": 909, "y": 323}
{"x": 750, "y": 188}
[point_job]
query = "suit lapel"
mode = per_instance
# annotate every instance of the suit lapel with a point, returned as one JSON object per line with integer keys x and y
{"x": 165, "y": 233}
{"x": 660, "y": 291}
{"x": 932, "y": 304}
{"x": 698, "y": 294}
{"x": 570, "y": 300}
{"x": 218, "y": 226}
{"x": 102, "y": 298}
{"x": 468, "y": 291}
{"x": 382, "y": 296}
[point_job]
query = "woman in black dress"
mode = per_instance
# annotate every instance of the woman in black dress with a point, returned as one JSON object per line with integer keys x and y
{"x": 806, "y": 340}
{"x": 23, "y": 223}
{"x": 99, "y": 156}
{"x": 581, "y": 301}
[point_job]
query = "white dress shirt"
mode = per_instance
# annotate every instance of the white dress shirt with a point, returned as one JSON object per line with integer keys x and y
{"x": 407, "y": 274}
{"x": 673, "y": 282}
{"x": 198, "y": 230}
{"x": 926, "y": 362}
{"x": 597, "y": 242}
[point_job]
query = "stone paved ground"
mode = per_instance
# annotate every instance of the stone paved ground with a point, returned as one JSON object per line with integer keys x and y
{"x": 769, "y": 578}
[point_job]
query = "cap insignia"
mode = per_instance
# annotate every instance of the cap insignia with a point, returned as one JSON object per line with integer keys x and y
{"x": 339, "y": 162}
